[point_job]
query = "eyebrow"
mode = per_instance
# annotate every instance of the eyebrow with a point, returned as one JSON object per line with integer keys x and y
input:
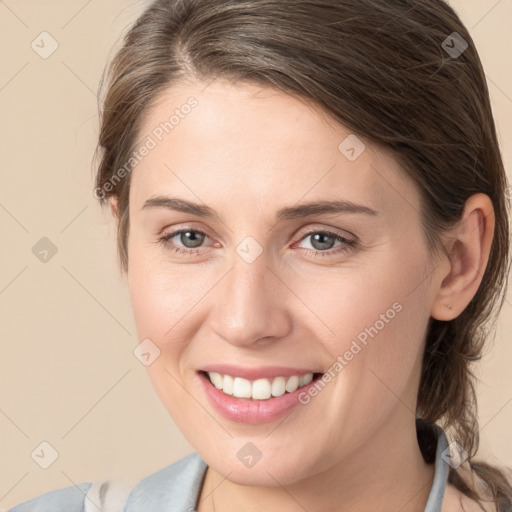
{"x": 286, "y": 213}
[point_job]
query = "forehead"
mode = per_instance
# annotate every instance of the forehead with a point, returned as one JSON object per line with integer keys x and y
{"x": 247, "y": 145}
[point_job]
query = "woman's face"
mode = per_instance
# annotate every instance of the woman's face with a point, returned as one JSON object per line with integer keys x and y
{"x": 266, "y": 294}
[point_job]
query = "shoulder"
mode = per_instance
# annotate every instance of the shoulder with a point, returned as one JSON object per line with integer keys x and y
{"x": 175, "y": 487}
{"x": 67, "y": 499}
{"x": 176, "y": 484}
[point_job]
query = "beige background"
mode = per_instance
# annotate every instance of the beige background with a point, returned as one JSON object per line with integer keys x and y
{"x": 68, "y": 375}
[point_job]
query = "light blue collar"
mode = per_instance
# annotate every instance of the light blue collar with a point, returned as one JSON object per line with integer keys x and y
{"x": 435, "y": 498}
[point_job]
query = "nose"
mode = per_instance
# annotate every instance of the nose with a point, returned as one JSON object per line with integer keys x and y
{"x": 251, "y": 304}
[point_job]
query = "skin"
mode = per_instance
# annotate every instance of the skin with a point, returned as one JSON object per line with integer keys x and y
{"x": 246, "y": 151}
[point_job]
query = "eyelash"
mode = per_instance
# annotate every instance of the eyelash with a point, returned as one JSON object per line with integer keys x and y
{"x": 349, "y": 244}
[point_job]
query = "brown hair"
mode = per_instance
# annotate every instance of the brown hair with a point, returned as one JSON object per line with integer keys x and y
{"x": 384, "y": 70}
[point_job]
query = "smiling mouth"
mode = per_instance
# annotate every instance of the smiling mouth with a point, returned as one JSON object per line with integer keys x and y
{"x": 259, "y": 389}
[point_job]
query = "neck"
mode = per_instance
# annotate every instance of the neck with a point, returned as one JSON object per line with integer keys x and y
{"x": 388, "y": 473}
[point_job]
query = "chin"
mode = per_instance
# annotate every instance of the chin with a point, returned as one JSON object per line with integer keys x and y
{"x": 270, "y": 470}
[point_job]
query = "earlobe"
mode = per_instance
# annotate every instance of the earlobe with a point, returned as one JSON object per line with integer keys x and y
{"x": 468, "y": 257}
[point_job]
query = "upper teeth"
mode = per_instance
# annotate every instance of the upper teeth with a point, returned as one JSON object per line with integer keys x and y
{"x": 260, "y": 389}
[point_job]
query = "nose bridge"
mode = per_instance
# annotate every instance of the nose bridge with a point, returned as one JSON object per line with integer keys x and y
{"x": 249, "y": 306}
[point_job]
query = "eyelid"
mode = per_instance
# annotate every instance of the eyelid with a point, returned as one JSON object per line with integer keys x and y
{"x": 322, "y": 228}
{"x": 185, "y": 226}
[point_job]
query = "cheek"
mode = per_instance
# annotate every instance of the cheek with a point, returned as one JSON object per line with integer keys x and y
{"x": 372, "y": 328}
{"x": 379, "y": 300}
{"x": 162, "y": 302}
{"x": 162, "y": 294}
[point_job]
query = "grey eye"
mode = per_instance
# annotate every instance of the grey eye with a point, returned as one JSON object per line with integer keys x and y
{"x": 191, "y": 239}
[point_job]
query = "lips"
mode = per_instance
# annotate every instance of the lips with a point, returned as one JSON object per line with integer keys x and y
{"x": 263, "y": 398}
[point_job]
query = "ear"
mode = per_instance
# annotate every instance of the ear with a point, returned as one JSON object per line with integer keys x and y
{"x": 468, "y": 253}
{"x": 113, "y": 202}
